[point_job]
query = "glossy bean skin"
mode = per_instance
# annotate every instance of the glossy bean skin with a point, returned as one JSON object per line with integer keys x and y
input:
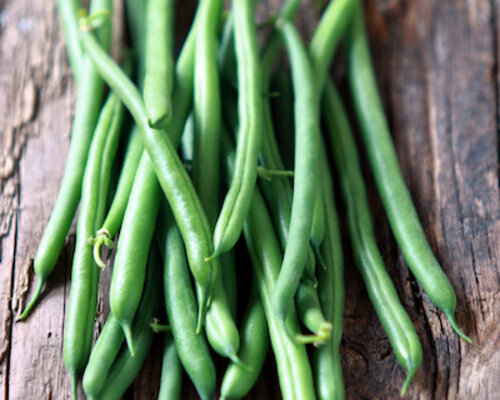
{"x": 114, "y": 217}
{"x": 229, "y": 280}
{"x": 129, "y": 269}
{"x": 171, "y": 371}
{"x": 159, "y": 61}
{"x": 391, "y": 186}
{"x": 311, "y": 315}
{"x": 238, "y": 381}
{"x": 181, "y": 310}
{"x": 126, "y": 367}
{"x": 305, "y": 171}
{"x": 108, "y": 159}
{"x": 102, "y": 357}
{"x": 293, "y": 365}
{"x": 80, "y": 314}
{"x": 381, "y": 290}
{"x": 172, "y": 176}
{"x": 237, "y": 201}
{"x": 207, "y": 108}
{"x": 86, "y": 112}
{"x": 332, "y": 25}
{"x": 326, "y": 359}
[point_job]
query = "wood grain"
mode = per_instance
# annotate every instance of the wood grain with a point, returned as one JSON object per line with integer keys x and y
{"x": 437, "y": 68}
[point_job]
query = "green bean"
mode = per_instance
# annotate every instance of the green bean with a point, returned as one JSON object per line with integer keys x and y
{"x": 172, "y": 176}
{"x": 114, "y": 218}
{"x": 180, "y": 304}
{"x": 311, "y": 315}
{"x": 226, "y": 58}
{"x": 136, "y": 19}
{"x": 126, "y": 367}
{"x": 207, "y": 108}
{"x": 326, "y": 359}
{"x": 237, "y": 201}
{"x": 293, "y": 366}
{"x": 102, "y": 357}
{"x": 238, "y": 381}
{"x": 379, "y": 286}
{"x": 187, "y": 140}
{"x": 171, "y": 371}
{"x": 159, "y": 61}
{"x": 108, "y": 158}
{"x": 129, "y": 269}
{"x": 86, "y": 113}
{"x": 305, "y": 172}
{"x": 397, "y": 201}
{"x": 67, "y": 10}
{"x": 80, "y": 314}
{"x": 326, "y": 36}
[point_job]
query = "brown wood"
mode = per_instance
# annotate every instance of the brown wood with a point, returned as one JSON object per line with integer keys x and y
{"x": 437, "y": 67}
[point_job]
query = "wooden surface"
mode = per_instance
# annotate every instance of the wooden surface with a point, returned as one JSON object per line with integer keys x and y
{"x": 437, "y": 66}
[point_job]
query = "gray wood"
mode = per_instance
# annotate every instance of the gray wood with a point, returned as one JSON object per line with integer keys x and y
{"x": 437, "y": 67}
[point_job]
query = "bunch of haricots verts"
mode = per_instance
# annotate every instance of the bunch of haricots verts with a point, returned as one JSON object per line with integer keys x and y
{"x": 180, "y": 212}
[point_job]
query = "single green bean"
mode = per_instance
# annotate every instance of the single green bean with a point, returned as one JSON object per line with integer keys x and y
{"x": 305, "y": 171}
{"x": 159, "y": 61}
{"x": 172, "y": 176}
{"x": 129, "y": 269}
{"x": 108, "y": 159}
{"x": 237, "y": 201}
{"x": 207, "y": 108}
{"x": 238, "y": 381}
{"x": 86, "y": 112}
{"x": 395, "y": 196}
{"x": 381, "y": 290}
{"x": 126, "y": 367}
{"x": 181, "y": 305}
{"x": 171, "y": 371}
{"x": 102, "y": 357}
{"x": 67, "y": 11}
{"x": 326, "y": 359}
{"x": 80, "y": 314}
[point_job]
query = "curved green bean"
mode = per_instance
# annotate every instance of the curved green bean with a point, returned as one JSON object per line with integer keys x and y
{"x": 237, "y": 202}
{"x": 86, "y": 112}
{"x": 80, "y": 314}
{"x": 381, "y": 290}
{"x": 67, "y": 10}
{"x": 305, "y": 171}
{"x": 382, "y": 155}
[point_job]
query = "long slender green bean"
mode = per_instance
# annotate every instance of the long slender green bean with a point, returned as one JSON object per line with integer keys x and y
{"x": 237, "y": 201}
{"x": 80, "y": 314}
{"x": 86, "y": 112}
{"x": 326, "y": 359}
{"x": 381, "y": 290}
{"x": 382, "y": 155}
{"x": 67, "y": 10}
{"x": 305, "y": 171}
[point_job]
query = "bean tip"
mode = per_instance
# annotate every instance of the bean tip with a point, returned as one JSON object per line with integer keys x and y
{"x": 456, "y": 328}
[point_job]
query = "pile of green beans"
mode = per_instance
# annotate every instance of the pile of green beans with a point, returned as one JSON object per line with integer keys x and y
{"x": 223, "y": 207}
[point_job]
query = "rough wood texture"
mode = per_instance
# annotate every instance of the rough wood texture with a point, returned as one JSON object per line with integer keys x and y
{"x": 437, "y": 65}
